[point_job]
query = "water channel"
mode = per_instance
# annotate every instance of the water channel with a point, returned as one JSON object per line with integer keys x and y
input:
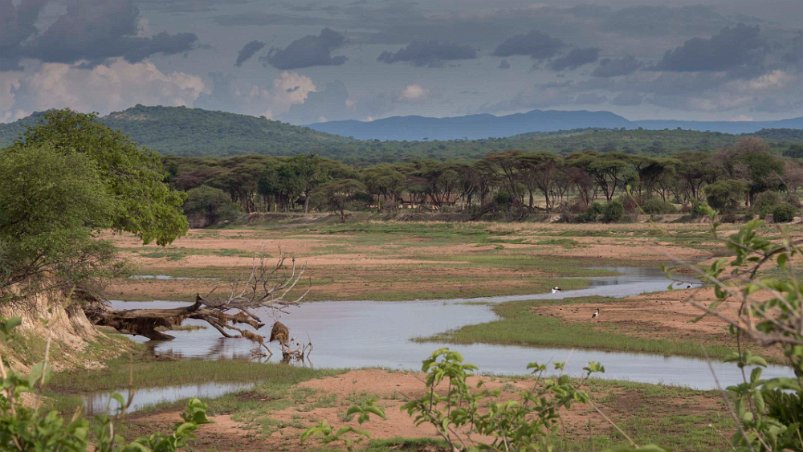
{"x": 366, "y": 333}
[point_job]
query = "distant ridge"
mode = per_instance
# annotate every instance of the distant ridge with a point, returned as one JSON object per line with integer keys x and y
{"x": 194, "y": 131}
{"x": 472, "y": 127}
{"x": 200, "y": 133}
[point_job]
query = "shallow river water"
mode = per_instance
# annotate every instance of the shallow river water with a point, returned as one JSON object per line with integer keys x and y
{"x": 352, "y": 334}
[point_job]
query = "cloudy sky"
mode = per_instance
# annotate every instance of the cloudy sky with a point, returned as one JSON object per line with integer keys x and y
{"x": 306, "y": 61}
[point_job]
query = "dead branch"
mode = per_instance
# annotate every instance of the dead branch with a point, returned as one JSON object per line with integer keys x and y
{"x": 267, "y": 286}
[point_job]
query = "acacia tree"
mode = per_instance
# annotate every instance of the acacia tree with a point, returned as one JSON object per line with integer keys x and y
{"x": 337, "y": 194}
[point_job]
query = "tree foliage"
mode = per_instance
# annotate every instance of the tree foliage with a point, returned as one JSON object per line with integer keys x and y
{"x": 48, "y": 215}
{"x": 132, "y": 176}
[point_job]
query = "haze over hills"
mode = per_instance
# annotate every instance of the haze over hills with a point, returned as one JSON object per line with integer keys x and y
{"x": 195, "y": 132}
{"x": 474, "y": 127}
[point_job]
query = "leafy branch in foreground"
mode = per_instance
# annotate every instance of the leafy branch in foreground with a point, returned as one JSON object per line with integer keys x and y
{"x": 764, "y": 279}
{"x": 328, "y": 434}
{"x": 23, "y": 428}
{"x": 459, "y": 412}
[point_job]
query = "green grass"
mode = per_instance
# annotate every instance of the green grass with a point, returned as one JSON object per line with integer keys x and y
{"x": 668, "y": 416}
{"x": 520, "y": 326}
{"x": 157, "y": 373}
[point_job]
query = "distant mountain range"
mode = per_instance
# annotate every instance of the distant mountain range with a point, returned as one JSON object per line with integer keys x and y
{"x": 195, "y": 132}
{"x": 472, "y": 127}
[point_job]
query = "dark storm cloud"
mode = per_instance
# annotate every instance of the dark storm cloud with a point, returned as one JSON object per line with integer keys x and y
{"x": 613, "y": 67}
{"x": 92, "y": 30}
{"x": 248, "y": 51}
{"x": 308, "y": 51}
{"x": 429, "y": 53}
{"x": 792, "y": 53}
{"x": 575, "y": 59}
{"x": 16, "y": 25}
{"x": 535, "y": 44}
{"x": 732, "y": 47}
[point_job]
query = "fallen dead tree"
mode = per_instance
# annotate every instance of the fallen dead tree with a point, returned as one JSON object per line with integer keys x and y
{"x": 267, "y": 286}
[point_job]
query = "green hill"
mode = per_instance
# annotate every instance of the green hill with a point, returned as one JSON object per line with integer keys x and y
{"x": 184, "y": 131}
{"x": 192, "y": 131}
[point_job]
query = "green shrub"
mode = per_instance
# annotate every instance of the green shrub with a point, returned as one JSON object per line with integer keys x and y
{"x": 783, "y": 212}
{"x": 656, "y": 206}
{"x": 591, "y": 214}
{"x": 726, "y": 195}
{"x": 207, "y": 206}
{"x": 613, "y": 212}
{"x": 765, "y": 202}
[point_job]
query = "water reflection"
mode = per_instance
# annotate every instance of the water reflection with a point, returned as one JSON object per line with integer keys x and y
{"x": 366, "y": 333}
{"x": 102, "y": 402}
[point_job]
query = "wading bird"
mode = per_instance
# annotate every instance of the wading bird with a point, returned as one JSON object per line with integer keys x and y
{"x": 595, "y": 314}
{"x": 555, "y": 289}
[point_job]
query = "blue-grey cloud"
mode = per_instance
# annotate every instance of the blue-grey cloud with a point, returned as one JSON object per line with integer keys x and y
{"x": 731, "y": 48}
{"x": 648, "y": 20}
{"x": 429, "y": 53}
{"x": 575, "y": 58}
{"x": 16, "y": 25}
{"x": 627, "y": 99}
{"x": 308, "y": 51}
{"x": 613, "y": 67}
{"x": 535, "y": 44}
{"x": 248, "y": 50}
{"x": 590, "y": 99}
{"x": 504, "y": 64}
{"x": 91, "y": 30}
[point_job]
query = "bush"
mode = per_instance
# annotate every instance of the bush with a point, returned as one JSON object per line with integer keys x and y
{"x": 700, "y": 209}
{"x": 765, "y": 202}
{"x": 783, "y": 212}
{"x": 656, "y": 206}
{"x": 207, "y": 206}
{"x": 613, "y": 212}
{"x": 591, "y": 214}
{"x": 726, "y": 195}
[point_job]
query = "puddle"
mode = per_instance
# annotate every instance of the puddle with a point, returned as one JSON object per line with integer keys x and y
{"x": 102, "y": 402}
{"x": 353, "y": 334}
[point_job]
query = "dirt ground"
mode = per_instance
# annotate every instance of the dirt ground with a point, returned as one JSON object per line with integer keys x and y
{"x": 347, "y": 265}
{"x": 392, "y": 390}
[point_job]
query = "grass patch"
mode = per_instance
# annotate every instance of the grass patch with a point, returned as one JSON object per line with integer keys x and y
{"x": 155, "y": 373}
{"x": 520, "y": 326}
{"x": 414, "y": 444}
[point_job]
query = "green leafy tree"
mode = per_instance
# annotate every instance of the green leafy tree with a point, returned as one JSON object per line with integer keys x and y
{"x": 134, "y": 178}
{"x": 51, "y": 204}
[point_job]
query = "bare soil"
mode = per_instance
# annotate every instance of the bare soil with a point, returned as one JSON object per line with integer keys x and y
{"x": 392, "y": 390}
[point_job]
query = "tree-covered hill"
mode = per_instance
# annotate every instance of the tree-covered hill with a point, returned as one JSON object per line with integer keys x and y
{"x": 194, "y": 132}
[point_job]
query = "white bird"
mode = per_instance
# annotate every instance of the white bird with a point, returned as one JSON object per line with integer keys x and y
{"x": 555, "y": 289}
{"x": 595, "y": 314}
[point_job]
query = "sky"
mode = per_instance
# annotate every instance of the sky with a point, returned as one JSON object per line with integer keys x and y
{"x": 303, "y": 61}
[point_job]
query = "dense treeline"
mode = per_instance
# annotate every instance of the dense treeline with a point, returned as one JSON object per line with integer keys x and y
{"x": 511, "y": 184}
